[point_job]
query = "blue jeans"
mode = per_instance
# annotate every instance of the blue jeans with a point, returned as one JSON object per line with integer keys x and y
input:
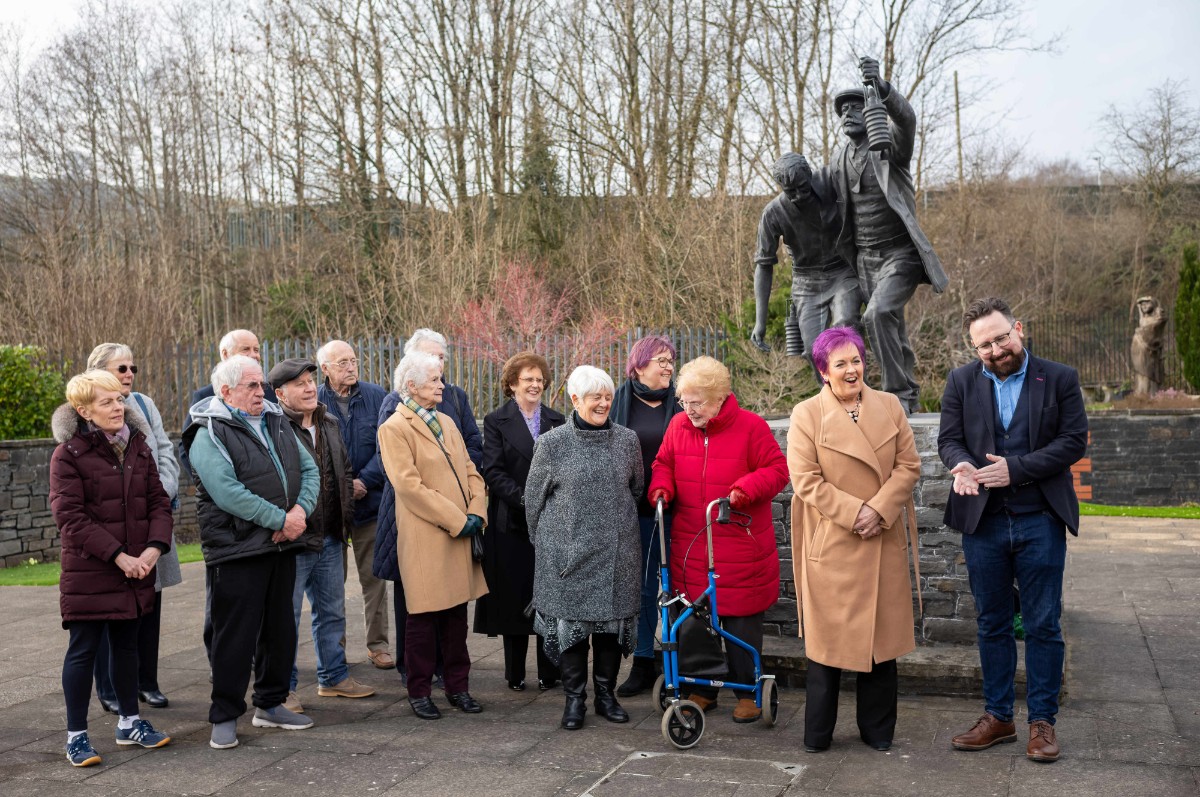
{"x": 1031, "y": 547}
{"x": 651, "y": 561}
{"x": 319, "y": 575}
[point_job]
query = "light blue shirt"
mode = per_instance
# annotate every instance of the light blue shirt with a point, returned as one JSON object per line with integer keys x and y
{"x": 1007, "y": 392}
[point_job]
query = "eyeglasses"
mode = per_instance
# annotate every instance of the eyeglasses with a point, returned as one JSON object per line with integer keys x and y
{"x": 663, "y": 362}
{"x": 531, "y": 380}
{"x": 123, "y": 368}
{"x": 253, "y": 387}
{"x": 998, "y": 342}
{"x": 347, "y": 363}
{"x": 690, "y": 405}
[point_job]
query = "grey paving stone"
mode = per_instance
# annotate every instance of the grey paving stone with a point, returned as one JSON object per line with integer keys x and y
{"x": 190, "y": 768}
{"x": 471, "y": 779}
{"x": 318, "y": 774}
{"x": 1069, "y": 777}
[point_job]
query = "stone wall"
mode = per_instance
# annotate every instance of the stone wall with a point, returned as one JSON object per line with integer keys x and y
{"x": 949, "y": 611}
{"x": 1141, "y": 458}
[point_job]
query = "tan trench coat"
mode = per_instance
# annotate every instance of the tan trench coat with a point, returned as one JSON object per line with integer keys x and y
{"x": 436, "y": 567}
{"x": 854, "y": 595}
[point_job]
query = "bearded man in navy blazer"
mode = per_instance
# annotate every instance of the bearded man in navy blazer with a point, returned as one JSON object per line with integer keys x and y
{"x": 1012, "y": 426}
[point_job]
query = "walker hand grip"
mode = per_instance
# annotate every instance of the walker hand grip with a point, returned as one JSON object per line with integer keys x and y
{"x": 723, "y": 511}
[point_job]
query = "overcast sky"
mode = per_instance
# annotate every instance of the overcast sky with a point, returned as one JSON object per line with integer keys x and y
{"x": 1112, "y": 52}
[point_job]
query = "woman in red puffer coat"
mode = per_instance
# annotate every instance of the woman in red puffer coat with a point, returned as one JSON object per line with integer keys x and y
{"x": 114, "y": 520}
{"x": 712, "y": 450}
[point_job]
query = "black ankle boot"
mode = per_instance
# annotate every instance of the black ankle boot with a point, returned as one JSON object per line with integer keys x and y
{"x": 606, "y": 663}
{"x": 641, "y": 677}
{"x": 574, "y": 681}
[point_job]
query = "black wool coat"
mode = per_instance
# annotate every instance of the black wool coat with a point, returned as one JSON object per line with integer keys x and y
{"x": 508, "y": 553}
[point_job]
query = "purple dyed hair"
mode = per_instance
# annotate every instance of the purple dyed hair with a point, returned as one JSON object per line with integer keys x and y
{"x": 834, "y": 338}
{"x": 642, "y": 351}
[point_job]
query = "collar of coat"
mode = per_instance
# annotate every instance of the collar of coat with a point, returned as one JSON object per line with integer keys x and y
{"x": 66, "y": 423}
{"x": 722, "y": 420}
{"x": 418, "y": 423}
{"x": 859, "y": 440}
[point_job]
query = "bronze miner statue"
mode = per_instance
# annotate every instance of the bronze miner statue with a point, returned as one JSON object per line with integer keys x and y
{"x": 879, "y": 220}
{"x": 825, "y": 289}
{"x": 1146, "y": 351}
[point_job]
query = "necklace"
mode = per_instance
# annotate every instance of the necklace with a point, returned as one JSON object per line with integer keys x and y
{"x": 853, "y": 413}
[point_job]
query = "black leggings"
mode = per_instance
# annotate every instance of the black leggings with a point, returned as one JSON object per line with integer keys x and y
{"x": 81, "y": 660}
{"x": 148, "y": 634}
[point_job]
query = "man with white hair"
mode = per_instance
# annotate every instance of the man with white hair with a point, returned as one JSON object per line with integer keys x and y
{"x": 355, "y": 405}
{"x": 256, "y": 485}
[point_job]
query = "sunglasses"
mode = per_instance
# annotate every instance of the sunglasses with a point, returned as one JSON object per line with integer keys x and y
{"x": 121, "y": 369}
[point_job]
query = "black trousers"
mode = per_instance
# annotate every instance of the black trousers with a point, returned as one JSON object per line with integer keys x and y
{"x": 516, "y": 647}
{"x": 80, "y": 661}
{"x": 252, "y": 619}
{"x": 875, "y": 703}
{"x": 749, "y": 629}
{"x": 147, "y": 655}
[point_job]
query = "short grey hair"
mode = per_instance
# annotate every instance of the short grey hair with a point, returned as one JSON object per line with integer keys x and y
{"x": 230, "y": 339}
{"x": 229, "y": 372}
{"x": 105, "y": 353}
{"x": 323, "y": 352}
{"x": 421, "y": 336}
{"x": 587, "y": 380}
{"x": 415, "y": 367}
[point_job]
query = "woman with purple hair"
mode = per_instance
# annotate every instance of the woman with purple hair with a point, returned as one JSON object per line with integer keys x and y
{"x": 853, "y": 465}
{"x": 646, "y": 403}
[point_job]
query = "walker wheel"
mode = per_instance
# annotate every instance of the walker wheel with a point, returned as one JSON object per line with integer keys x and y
{"x": 683, "y": 724}
{"x": 770, "y": 703}
{"x": 661, "y": 695}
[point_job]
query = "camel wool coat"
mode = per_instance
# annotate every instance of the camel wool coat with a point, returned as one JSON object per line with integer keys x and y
{"x": 436, "y": 567}
{"x": 854, "y": 595}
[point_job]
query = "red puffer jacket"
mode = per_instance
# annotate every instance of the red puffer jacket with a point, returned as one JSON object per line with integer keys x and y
{"x": 103, "y": 507}
{"x": 696, "y": 466}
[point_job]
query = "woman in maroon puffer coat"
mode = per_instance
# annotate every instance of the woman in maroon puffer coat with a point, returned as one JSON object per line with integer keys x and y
{"x": 114, "y": 521}
{"x": 714, "y": 449}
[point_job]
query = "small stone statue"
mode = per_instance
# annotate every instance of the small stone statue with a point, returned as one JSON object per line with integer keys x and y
{"x": 880, "y": 230}
{"x": 1146, "y": 351}
{"x": 825, "y": 289}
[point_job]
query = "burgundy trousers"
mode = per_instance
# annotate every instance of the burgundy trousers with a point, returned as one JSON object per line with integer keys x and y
{"x": 423, "y": 634}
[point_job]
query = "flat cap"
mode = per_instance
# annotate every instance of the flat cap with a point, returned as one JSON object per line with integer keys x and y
{"x": 846, "y": 95}
{"x": 285, "y": 371}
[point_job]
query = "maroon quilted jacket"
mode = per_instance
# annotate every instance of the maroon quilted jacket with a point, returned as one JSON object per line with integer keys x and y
{"x": 101, "y": 508}
{"x": 695, "y": 466}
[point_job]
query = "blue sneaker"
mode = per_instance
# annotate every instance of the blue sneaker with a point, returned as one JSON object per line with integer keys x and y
{"x": 142, "y": 733}
{"x": 80, "y": 752}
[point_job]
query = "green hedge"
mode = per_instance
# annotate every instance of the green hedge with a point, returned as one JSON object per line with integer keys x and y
{"x": 1187, "y": 315}
{"x": 30, "y": 390}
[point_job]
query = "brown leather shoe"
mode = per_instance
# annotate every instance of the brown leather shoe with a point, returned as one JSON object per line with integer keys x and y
{"x": 706, "y": 704}
{"x": 746, "y": 711}
{"x": 1042, "y": 744}
{"x": 987, "y": 731}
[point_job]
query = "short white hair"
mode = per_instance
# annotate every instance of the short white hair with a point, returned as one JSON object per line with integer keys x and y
{"x": 587, "y": 380}
{"x": 323, "y": 354}
{"x": 228, "y": 373}
{"x": 414, "y": 367}
{"x": 230, "y": 340}
{"x": 423, "y": 335}
{"x": 105, "y": 353}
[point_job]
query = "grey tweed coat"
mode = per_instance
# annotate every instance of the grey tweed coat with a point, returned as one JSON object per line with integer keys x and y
{"x": 581, "y": 504}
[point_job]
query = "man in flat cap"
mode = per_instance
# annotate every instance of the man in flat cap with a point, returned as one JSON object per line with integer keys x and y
{"x": 880, "y": 232}
{"x": 319, "y": 565}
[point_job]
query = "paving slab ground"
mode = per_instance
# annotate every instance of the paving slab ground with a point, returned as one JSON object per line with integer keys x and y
{"x": 1130, "y": 725}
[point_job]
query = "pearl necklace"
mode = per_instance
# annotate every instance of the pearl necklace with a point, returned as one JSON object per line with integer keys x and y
{"x": 853, "y": 413}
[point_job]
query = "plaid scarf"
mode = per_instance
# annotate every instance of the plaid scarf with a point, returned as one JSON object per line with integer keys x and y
{"x": 429, "y": 416}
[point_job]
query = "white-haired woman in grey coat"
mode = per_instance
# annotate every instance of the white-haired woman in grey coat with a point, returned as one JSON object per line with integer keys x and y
{"x": 117, "y": 359}
{"x": 581, "y": 504}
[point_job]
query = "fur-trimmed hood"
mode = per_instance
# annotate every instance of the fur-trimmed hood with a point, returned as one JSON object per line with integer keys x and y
{"x": 66, "y": 422}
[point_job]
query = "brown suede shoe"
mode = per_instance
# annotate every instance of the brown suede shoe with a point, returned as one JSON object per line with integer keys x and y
{"x": 987, "y": 731}
{"x": 706, "y": 704}
{"x": 1042, "y": 744}
{"x": 746, "y": 711}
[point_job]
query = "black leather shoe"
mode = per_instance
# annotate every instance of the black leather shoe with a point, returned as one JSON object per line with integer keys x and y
{"x": 545, "y": 685}
{"x": 574, "y": 713}
{"x": 641, "y": 677}
{"x": 424, "y": 708}
{"x": 154, "y": 699}
{"x": 111, "y": 706}
{"x": 465, "y": 703}
{"x": 516, "y": 686}
{"x": 813, "y": 748}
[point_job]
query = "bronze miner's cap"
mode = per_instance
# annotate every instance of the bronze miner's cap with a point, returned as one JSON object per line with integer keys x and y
{"x": 846, "y": 95}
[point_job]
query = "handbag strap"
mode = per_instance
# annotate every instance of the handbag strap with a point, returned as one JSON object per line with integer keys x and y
{"x": 446, "y": 454}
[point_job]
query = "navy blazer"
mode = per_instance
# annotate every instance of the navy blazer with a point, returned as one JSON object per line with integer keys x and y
{"x": 1058, "y": 431}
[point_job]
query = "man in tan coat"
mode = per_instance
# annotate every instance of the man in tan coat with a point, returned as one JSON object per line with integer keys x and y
{"x": 440, "y": 505}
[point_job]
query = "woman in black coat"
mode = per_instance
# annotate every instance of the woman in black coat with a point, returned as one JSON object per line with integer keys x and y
{"x": 509, "y": 435}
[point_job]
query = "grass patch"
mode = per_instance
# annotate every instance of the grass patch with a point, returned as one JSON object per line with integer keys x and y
{"x": 45, "y": 574}
{"x": 1105, "y": 510}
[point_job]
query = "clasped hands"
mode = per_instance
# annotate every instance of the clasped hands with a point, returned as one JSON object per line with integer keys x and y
{"x": 868, "y": 524}
{"x": 138, "y": 566}
{"x": 968, "y": 479}
{"x": 293, "y": 525}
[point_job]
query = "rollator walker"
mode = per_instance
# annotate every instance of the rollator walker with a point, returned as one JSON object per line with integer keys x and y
{"x": 683, "y": 720}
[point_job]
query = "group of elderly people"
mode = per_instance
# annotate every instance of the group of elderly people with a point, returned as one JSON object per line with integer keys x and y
{"x": 549, "y": 526}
